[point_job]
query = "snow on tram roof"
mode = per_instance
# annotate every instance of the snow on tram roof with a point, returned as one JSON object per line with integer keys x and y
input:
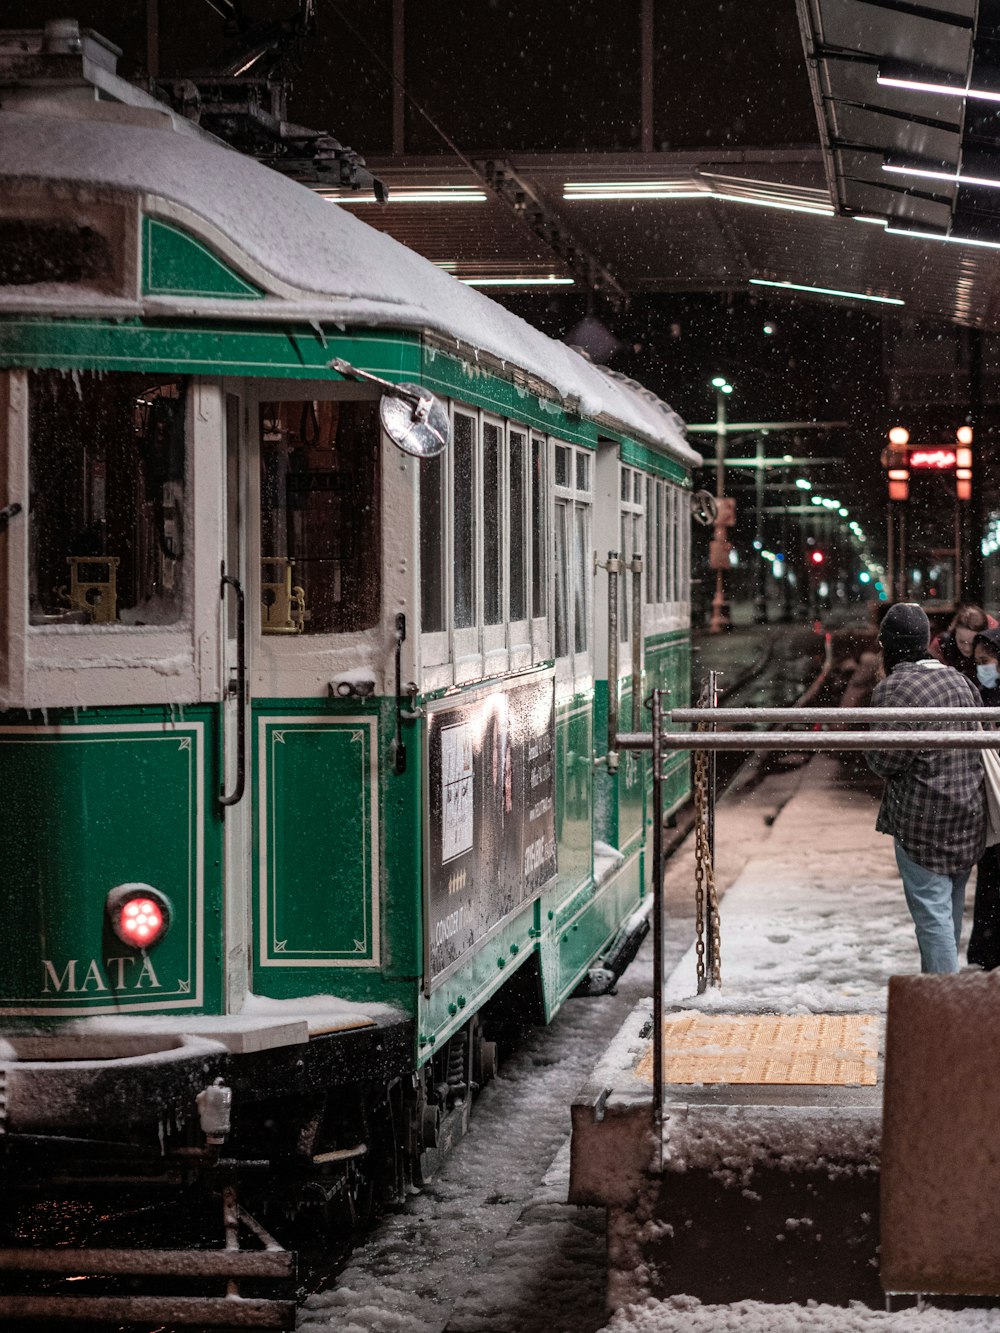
{"x": 328, "y": 264}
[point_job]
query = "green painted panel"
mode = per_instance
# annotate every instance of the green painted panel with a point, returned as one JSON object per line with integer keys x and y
{"x": 668, "y": 666}
{"x": 454, "y": 377}
{"x": 581, "y": 941}
{"x": 318, "y": 852}
{"x": 472, "y": 984}
{"x": 177, "y": 264}
{"x": 574, "y": 787}
{"x": 293, "y": 351}
{"x": 87, "y": 808}
{"x": 221, "y": 348}
{"x": 641, "y": 456}
{"x": 619, "y": 798}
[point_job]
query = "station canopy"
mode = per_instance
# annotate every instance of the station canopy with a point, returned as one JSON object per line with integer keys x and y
{"x": 898, "y": 206}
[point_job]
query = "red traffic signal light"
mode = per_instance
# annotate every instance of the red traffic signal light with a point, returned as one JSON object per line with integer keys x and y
{"x": 816, "y": 557}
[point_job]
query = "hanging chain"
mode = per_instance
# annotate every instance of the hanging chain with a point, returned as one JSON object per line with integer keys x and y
{"x": 704, "y": 877}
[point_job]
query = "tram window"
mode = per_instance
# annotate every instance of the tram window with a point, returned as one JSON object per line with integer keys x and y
{"x": 492, "y": 524}
{"x": 539, "y": 529}
{"x": 562, "y": 579}
{"x": 630, "y": 491}
{"x": 517, "y": 551}
{"x": 670, "y": 560}
{"x": 107, "y": 461}
{"x": 662, "y": 521}
{"x": 432, "y": 544}
{"x": 650, "y": 541}
{"x": 572, "y": 544}
{"x": 464, "y": 510}
{"x": 320, "y": 519}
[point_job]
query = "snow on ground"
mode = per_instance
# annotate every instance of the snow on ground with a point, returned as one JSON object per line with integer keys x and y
{"x": 794, "y": 937}
{"x": 491, "y": 1246}
{"x": 684, "y": 1314}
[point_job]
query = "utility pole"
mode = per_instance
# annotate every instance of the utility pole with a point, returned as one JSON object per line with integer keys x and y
{"x": 719, "y": 551}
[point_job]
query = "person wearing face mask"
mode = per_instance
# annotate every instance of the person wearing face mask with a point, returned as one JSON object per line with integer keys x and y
{"x": 984, "y": 942}
{"x": 933, "y": 805}
{"x": 955, "y": 645}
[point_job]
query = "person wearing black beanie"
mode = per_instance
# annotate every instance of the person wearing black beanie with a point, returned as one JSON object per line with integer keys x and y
{"x": 933, "y": 805}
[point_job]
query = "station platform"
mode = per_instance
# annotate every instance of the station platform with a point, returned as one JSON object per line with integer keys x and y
{"x": 765, "y": 1183}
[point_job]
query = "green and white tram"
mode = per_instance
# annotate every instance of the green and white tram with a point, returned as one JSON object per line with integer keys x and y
{"x": 302, "y": 741}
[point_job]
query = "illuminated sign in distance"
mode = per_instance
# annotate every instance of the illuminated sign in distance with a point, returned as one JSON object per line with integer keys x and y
{"x": 927, "y": 456}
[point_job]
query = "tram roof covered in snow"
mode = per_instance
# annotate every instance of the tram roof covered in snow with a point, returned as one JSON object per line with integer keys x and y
{"x": 313, "y": 260}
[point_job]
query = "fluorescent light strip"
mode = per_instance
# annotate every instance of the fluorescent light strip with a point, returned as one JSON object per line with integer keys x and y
{"x": 877, "y": 222}
{"x": 518, "y": 282}
{"x": 657, "y": 190}
{"x": 919, "y": 86}
{"x": 827, "y": 291}
{"x": 457, "y": 196}
{"x": 938, "y": 236}
{"x": 955, "y": 177}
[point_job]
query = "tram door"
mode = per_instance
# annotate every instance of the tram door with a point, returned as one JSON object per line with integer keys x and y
{"x": 236, "y": 641}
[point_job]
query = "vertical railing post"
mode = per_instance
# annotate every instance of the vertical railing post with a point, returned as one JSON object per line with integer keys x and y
{"x": 658, "y": 931}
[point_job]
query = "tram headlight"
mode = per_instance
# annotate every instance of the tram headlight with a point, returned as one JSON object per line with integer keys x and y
{"x": 138, "y": 914}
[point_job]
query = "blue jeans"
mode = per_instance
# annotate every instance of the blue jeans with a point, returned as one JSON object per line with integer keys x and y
{"x": 936, "y": 902}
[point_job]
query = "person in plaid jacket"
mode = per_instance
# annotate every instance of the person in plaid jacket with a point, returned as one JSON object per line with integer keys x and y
{"x": 933, "y": 804}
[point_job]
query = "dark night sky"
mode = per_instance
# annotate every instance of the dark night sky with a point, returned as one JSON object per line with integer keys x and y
{"x": 518, "y": 76}
{"x": 509, "y": 76}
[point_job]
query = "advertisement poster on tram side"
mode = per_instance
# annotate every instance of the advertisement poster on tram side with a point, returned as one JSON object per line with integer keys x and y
{"x": 490, "y": 837}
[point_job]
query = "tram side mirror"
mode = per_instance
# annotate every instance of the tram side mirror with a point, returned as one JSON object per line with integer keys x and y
{"x": 413, "y": 418}
{"x": 704, "y": 508}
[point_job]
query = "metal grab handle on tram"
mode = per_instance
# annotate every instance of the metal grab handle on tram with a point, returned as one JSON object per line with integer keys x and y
{"x": 239, "y": 688}
{"x": 636, "y": 568}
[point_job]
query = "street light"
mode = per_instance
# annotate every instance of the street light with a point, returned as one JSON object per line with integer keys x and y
{"x": 720, "y": 547}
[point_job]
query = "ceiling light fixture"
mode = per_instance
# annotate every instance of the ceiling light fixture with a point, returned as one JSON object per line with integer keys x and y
{"x": 445, "y": 194}
{"x": 940, "y": 236}
{"x": 956, "y": 177}
{"x": 550, "y": 281}
{"x": 631, "y": 190}
{"x": 918, "y": 80}
{"x": 827, "y": 291}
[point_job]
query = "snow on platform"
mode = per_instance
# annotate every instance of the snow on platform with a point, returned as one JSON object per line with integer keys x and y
{"x": 761, "y": 1191}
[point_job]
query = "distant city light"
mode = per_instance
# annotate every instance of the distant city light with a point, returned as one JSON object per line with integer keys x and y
{"x": 769, "y": 329}
{"x": 802, "y": 484}
{"x": 864, "y": 577}
{"x": 899, "y": 435}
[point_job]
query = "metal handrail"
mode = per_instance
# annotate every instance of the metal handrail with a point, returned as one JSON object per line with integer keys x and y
{"x": 811, "y": 740}
{"x": 812, "y": 716}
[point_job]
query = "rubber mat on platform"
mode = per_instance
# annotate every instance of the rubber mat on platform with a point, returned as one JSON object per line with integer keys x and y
{"x": 767, "y": 1048}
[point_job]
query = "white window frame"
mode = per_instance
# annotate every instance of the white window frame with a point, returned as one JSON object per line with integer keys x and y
{"x": 84, "y": 666}
{"x": 635, "y": 510}
{"x": 459, "y": 656}
{"x": 466, "y": 644}
{"x": 519, "y": 636}
{"x": 303, "y": 665}
{"x": 575, "y": 665}
{"x": 668, "y": 561}
{"x": 494, "y": 637}
{"x": 541, "y": 634}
